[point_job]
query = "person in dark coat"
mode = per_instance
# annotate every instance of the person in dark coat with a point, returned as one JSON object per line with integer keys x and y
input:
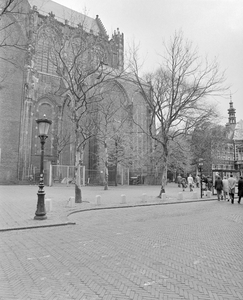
{"x": 218, "y": 185}
{"x": 240, "y": 188}
{"x": 179, "y": 178}
{"x": 183, "y": 183}
{"x": 232, "y": 184}
{"x": 209, "y": 183}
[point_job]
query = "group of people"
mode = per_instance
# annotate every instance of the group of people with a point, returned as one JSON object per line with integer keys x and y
{"x": 182, "y": 181}
{"x": 226, "y": 188}
{"x": 207, "y": 182}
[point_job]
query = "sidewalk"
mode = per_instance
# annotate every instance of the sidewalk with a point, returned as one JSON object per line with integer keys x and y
{"x": 18, "y": 203}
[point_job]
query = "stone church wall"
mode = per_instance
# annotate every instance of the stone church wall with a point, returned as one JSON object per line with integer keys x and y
{"x": 11, "y": 93}
{"x": 30, "y": 90}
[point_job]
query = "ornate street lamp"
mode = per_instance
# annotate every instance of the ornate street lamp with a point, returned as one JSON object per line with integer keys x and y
{"x": 43, "y": 127}
{"x": 200, "y": 166}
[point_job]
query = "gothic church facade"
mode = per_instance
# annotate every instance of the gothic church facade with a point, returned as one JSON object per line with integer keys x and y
{"x": 28, "y": 79}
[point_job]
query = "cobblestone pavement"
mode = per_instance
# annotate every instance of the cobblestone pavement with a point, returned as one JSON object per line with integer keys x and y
{"x": 184, "y": 251}
{"x": 18, "y": 203}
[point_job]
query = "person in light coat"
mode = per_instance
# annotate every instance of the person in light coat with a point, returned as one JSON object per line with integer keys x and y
{"x": 225, "y": 189}
{"x": 197, "y": 179}
{"x": 190, "y": 182}
{"x": 179, "y": 178}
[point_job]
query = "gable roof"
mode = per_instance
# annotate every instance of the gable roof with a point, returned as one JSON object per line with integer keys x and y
{"x": 62, "y": 13}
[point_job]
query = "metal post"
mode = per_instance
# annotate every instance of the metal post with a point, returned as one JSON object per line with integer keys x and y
{"x": 83, "y": 175}
{"x": 201, "y": 185}
{"x": 67, "y": 175}
{"x": 40, "y": 213}
{"x": 122, "y": 175}
{"x": 50, "y": 175}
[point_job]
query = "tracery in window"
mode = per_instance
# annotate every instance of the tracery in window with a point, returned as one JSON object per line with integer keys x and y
{"x": 45, "y": 56}
{"x": 99, "y": 55}
{"x": 75, "y": 55}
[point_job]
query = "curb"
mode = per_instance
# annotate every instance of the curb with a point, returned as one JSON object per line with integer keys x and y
{"x": 137, "y": 205}
{"x": 36, "y": 226}
{"x": 100, "y": 208}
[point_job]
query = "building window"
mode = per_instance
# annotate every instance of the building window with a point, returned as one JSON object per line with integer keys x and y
{"x": 44, "y": 52}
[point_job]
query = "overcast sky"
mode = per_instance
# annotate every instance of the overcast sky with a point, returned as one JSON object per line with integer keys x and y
{"x": 214, "y": 26}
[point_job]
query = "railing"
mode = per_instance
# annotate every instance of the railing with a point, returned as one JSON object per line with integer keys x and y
{"x": 65, "y": 175}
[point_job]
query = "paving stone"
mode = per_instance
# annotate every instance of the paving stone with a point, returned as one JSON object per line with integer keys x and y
{"x": 183, "y": 251}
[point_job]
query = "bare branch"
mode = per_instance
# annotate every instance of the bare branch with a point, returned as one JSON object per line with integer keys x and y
{"x": 180, "y": 92}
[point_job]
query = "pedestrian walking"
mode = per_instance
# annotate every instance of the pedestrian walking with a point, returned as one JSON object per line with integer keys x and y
{"x": 232, "y": 184}
{"x": 218, "y": 185}
{"x": 183, "y": 183}
{"x": 190, "y": 182}
{"x": 204, "y": 183}
{"x": 225, "y": 189}
{"x": 209, "y": 183}
{"x": 179, "y": 178}
{"x": 240, "y": 189}
{"x": 197, "y": 179}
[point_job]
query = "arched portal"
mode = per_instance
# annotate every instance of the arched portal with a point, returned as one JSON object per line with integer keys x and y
{"x": 108, "y": 148}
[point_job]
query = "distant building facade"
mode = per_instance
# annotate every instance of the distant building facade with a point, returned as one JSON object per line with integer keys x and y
{"x": 27, "y": 90}
{"x": 229, "y": 158}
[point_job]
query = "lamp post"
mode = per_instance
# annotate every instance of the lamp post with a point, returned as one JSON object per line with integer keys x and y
{"x": 43, "y": 127}
{"x": 200, "y": 166}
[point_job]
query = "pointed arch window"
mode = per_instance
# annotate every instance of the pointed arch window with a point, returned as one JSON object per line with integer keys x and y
{"x": 45, "y": 56}
{"x": 99, "y": 55}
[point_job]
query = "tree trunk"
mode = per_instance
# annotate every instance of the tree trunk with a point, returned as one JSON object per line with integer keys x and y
{"x": 164, "y": 171}
{"x": 82, "y": 156}
{"x": 106, "y": 168}
{"x": 116, "y": 174}
{"x": 163, "y": 182}
{"x": 116, "y": 145}
{"x": 78, "y": 194}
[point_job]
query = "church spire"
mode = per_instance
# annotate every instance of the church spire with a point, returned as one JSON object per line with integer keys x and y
{"x": 231, "y": 112}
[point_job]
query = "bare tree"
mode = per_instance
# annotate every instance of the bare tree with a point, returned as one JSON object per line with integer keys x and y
{"x": 13, "y": 40}
{"x": 80, "y": 64}
{"x": 207, "y": 142}
{"x": 111, "y": 122}
{"x": 62, "y": 136}
{"x": 120, "y": 152}
{"x": 13, "y": 14}
{"x": 104, "y": 121}
{"x": 179, "y": 94}
{"x": 7, "y": 6}
{"x": 180, "y": 159}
